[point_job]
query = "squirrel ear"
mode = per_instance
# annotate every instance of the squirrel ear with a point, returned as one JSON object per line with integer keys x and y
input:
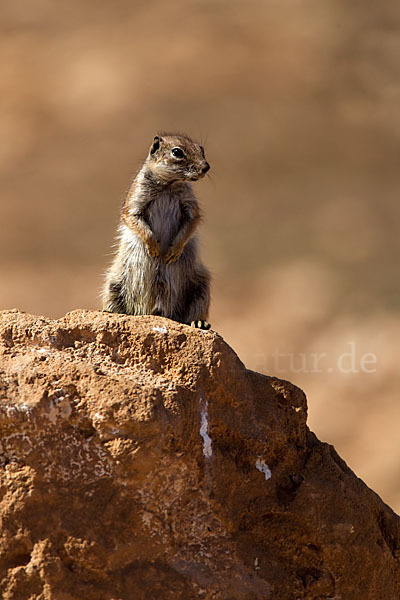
{"x": 156, "y": 144}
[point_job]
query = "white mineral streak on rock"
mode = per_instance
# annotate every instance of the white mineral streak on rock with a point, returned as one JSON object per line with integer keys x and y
{"x": 160, "y": 329}
{"x": 261, "y": 466}
{"x": 59, "y": 407}
{"x": 207, "y": 444}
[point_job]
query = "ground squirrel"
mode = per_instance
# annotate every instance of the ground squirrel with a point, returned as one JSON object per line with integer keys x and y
{"x": 156, "y": 270}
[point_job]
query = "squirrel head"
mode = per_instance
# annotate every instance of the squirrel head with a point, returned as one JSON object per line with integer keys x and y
{"x": 177, "y": 158}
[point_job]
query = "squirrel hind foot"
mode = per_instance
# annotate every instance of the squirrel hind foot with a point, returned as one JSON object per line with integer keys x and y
{"x": 200, "y": 324}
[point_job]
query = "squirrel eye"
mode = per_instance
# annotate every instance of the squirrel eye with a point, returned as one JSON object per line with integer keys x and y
{"x": 178, "y": 153}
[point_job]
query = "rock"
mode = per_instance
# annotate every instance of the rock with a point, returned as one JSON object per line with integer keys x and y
{"x": 140, "y": 459}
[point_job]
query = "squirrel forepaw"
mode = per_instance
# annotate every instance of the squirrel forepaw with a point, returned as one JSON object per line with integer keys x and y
{"x": 153, "y": 249}
{"x": 172, "y": 255}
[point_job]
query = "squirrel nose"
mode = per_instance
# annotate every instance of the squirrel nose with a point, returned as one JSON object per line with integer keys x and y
{"x": 205, "y": 168}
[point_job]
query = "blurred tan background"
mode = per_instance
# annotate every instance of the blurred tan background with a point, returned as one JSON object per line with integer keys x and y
{"x": 297, "y": 103}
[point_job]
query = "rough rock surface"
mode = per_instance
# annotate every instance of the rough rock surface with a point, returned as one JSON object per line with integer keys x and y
{"x": 140, "y": 459}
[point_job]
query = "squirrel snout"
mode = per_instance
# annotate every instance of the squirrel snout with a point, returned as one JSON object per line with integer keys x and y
{"x": 205, "y": 168}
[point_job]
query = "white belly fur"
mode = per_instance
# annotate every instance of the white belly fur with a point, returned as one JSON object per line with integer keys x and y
{"x": 143, "y": 274}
